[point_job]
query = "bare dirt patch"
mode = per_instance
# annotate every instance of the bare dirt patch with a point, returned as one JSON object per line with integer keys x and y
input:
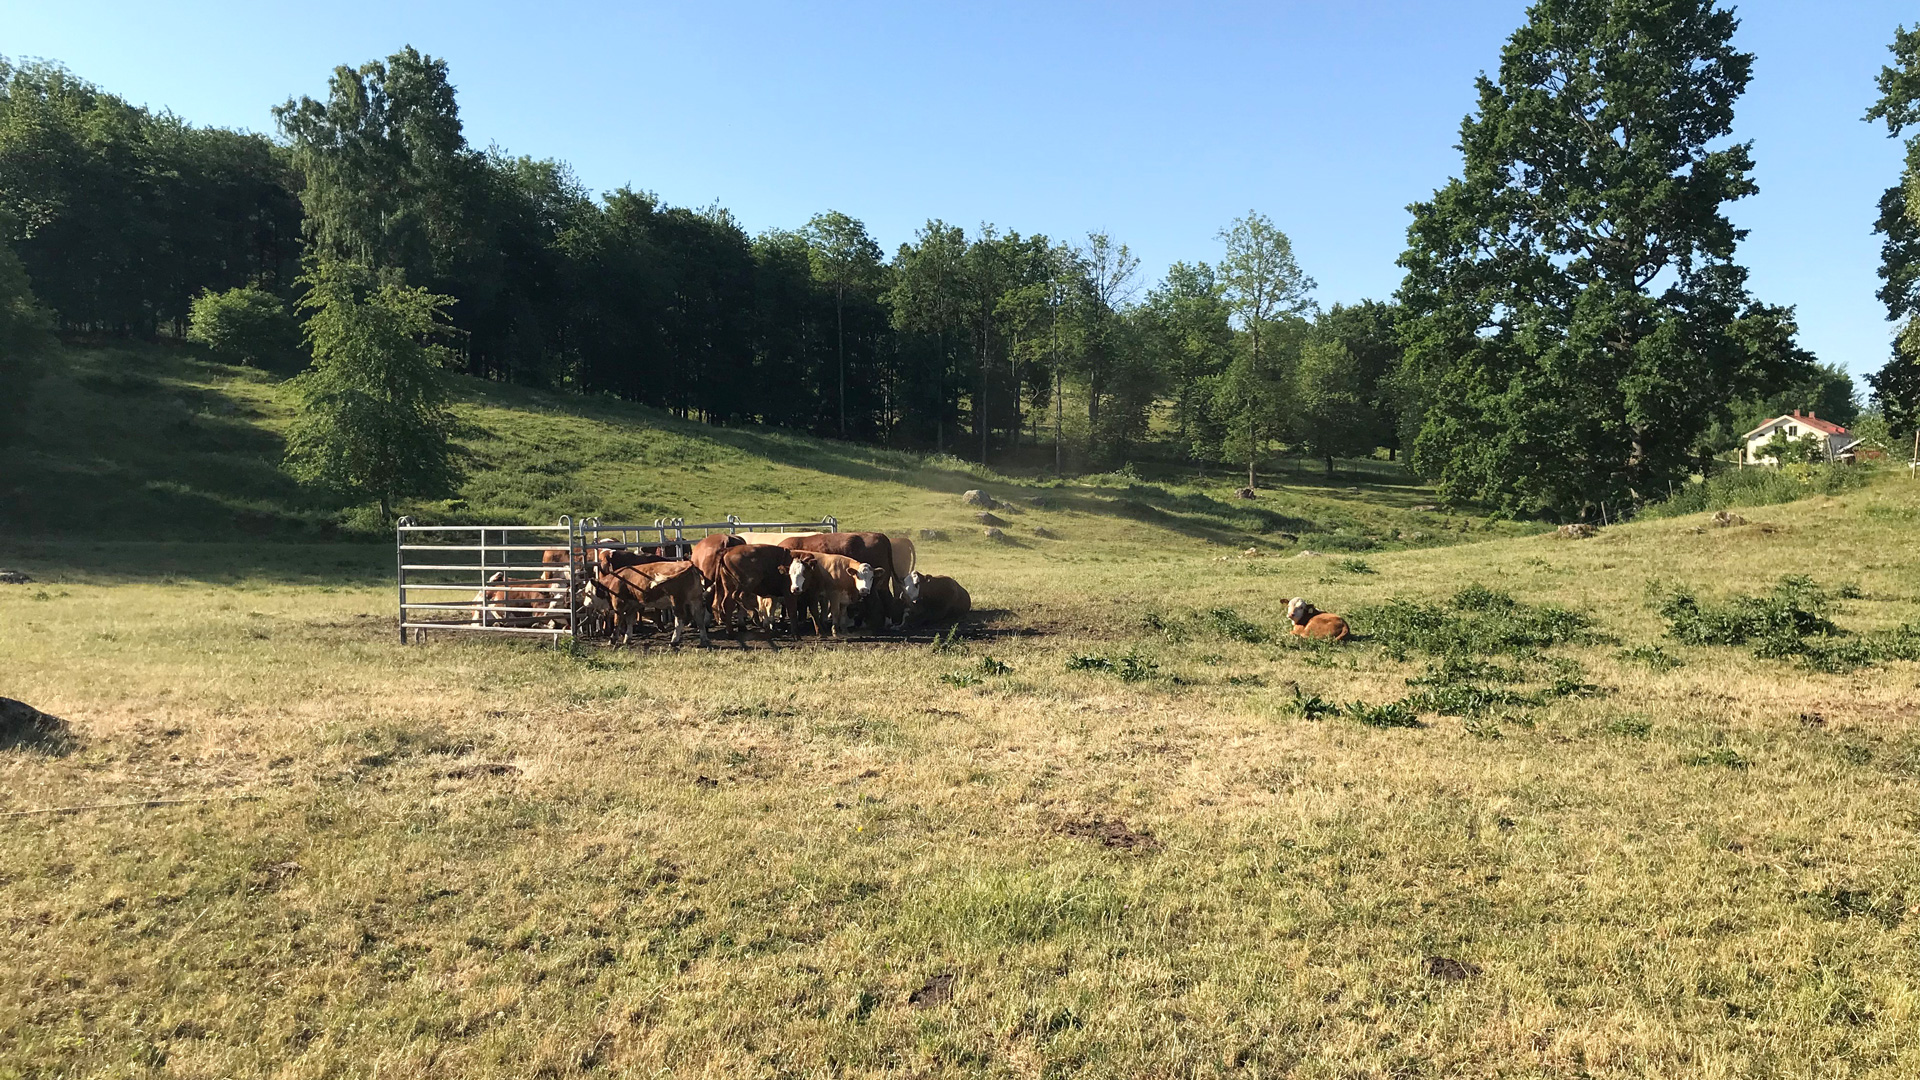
{"x": 1112, "y": 833}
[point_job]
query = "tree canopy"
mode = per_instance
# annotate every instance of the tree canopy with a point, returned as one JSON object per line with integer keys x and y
{"x": 1571, "y": 299}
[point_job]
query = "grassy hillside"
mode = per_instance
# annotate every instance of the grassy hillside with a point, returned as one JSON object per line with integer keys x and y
{"x": 1141, "y": 831}
{"x": 147, "y": 441}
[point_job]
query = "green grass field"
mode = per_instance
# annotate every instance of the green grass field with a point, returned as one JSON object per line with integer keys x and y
{"x": 1126, "y": 828}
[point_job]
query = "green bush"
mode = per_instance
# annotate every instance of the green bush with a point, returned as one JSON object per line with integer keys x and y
{"x": 246, "y": 326}
{"x": 1476, "y": 621}
{"x": 1760, "y": 486}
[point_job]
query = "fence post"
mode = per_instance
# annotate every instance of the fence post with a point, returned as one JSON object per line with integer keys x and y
{"x": 400, "y": 570}
{"x": 576, "y": 553}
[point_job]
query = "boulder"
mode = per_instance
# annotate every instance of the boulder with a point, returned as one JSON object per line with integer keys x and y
{"x": 23, "y": 725}
{"x": 1045, "y": 533}
{"x": 933, "y": 534}
{"x": 985, "y": 518}
{"x": 14, "y": 577}
{"x": 1426, "y": 508}
{"x": 979, "y": 498}
{"x": 1579, "y": 530}
{"x": 997, "y": 535}
{"x": 1726, "y": 519}
{"x": 1246, "y": 493}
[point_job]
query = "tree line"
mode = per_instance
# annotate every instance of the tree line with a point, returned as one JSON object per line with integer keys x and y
{"x": 1574, "y": 328}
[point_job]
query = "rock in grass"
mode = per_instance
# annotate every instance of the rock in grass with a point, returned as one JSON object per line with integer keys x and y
{"x": 985, "y": 518}
{"x": 999, "y": 535}
{"x": 1726, "y": 519}
{"x": 1246, "y": 493}
{"x": 1579, "y": 530}
{"x": 1045, "y": 533}
{"x": 933, "y": 534}
{"x": 14, "y": 577}
{"x": 979, "y": 498}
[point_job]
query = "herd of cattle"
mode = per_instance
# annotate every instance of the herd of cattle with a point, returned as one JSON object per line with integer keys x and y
{"x": 826, "y": 581}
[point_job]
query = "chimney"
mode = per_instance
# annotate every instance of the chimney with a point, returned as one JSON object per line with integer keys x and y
{"x": 1811, "y": 415}
{"x": 1796, "y": 414}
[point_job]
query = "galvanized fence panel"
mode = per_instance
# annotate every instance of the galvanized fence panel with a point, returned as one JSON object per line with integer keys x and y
{"x": 674, "y": 538}
{"x": 446, "y": 574}
{"x": 488, "y": 578}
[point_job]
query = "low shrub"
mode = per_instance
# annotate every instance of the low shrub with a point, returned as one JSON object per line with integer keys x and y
{"x": 1789, "y": 623}
{"x": 1759, "y": 487}
{"x": 1476, "y": 621}
{"x": 246, "y": 326}
{"x": 1393, "y": 714}
{"x": 1128, "y": 667}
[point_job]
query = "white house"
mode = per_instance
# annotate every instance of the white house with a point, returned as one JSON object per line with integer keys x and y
{"x": 1795, "y": 427}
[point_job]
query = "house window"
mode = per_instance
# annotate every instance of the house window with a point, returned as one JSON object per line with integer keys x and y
{"x": 1793, "y": 429}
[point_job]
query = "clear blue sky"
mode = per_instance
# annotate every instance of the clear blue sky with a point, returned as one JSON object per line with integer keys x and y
{"x": 1156, "y": 123}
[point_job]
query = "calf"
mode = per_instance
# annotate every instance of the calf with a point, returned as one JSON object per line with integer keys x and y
{"x": 932, "y": 599}
{"x": 678, "y": 589}
{"x": 1310, "y": 622}
{"x": 668, "y": 586}
{"x": 748, "y": 572}
{"x": 502, "y": 592}
{"x": 825, "y": 585}
{"x": 891, "y": 557}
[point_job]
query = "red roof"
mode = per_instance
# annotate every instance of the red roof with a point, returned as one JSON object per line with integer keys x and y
{"x": 1810, "y": 420}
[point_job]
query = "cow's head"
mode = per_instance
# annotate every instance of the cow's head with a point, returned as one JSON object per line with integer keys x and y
{"x": 1299, "y": 611}
{"x": 797, "y": 575}
{"x": 910, "y": 588}
{"x": 863, "y": 580}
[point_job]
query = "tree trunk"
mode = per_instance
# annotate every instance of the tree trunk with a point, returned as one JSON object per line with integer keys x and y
{"x": 980, "y": 407}
{"x": 1329, "y": 465}
{"x": 1059, "y": 439}
{"x": 1251, "y": 454}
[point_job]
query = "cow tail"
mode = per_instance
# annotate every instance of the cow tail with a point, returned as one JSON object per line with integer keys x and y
{"x": 902, "y": 545}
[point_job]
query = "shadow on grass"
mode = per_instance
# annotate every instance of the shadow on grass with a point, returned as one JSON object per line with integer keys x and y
{"x": 121, "y": 562}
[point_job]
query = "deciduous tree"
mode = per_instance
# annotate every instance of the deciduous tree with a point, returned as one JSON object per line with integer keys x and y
{"x": 373, "y": 421}
{"x": 1571, "y": 297}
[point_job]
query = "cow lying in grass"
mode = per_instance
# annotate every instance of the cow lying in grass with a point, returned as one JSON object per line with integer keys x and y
{"x": 546, "y": 597}
{"x": 1310, "y": 622}
{"x": 825, "y": 585}
{"x": 933, "y": 599}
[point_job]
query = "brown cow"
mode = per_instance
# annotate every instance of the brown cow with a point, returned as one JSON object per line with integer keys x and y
{"x": 1310, "y": 622}
{"x": 826, "y": 585}
{"x": 677, "y": 589}
{"x": 934, "y": 599}
{"x": 669, "y": 586}
{"x": 747, "y": 572}
{"x": 891, "y": 557}
{"x": 706, "y": 554}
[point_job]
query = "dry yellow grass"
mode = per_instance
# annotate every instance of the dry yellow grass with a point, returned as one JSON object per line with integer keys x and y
{"x": 490, "y": 859}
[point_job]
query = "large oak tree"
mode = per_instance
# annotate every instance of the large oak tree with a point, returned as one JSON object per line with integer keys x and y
{"x": 1572, "y": 299}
